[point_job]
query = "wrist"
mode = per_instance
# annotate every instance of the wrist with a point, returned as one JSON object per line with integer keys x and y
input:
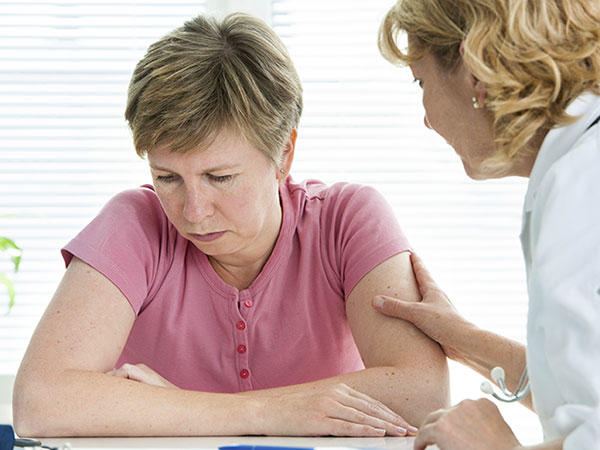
{"x": 459, "y": 348}
{"x": 252, "y": 411}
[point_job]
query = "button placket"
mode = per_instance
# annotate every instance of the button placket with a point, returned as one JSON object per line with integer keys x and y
{"x": 241, "y": 348}
{"x": 245, "y": 307}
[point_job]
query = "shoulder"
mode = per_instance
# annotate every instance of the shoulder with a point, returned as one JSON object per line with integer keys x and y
{"x": 339, "y": 207}
{"x": 141, "y": 201}
{"x": 341, "y": 194}
{"x": 130, "y": 242}
{"x": 571, "y": 187}
{"x": 132, "y": 218}
{"x": 565, "y": 218}
{"x": 135, "y": 210}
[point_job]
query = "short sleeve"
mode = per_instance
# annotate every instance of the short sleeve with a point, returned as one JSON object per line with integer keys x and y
{"x": 126, "y": 242}
{"x": 361, "y": 231}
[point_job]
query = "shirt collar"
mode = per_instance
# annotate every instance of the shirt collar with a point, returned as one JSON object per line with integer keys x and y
{"x": 559, "y": 141}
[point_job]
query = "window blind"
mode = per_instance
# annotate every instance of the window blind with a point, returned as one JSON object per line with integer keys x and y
{"x": 363, "y": 122}
{"x": 65, "y": 146}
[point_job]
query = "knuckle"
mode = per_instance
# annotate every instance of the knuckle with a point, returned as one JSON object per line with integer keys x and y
{"x": 467, "y": 403}
{"x": 127, "y": 368}
{"x": 485, "y": 404}
{"x": 442, "y": 426}
{"x": 378, "y": 408}
{"x": 348, "y": 428}
{"x": 358, "y": 416}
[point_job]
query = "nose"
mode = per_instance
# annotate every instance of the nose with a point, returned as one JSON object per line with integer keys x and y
{"x": 426, "y": 121}
{"x": 197, "y": 205}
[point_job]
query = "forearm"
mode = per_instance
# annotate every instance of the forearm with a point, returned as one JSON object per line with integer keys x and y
{"x": 483, "y": 350}
{"x": 408, "y": 391}
{"x": 78, "y": 403}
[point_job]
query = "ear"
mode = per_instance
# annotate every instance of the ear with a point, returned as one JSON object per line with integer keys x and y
{"x": 479, "y": 90}
{"x": 288, "y": 156}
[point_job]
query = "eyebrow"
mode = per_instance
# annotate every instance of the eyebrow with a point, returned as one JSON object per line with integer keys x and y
{"x": 212, "y": 169}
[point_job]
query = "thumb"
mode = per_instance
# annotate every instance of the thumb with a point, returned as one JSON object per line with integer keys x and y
{"x": 394, "y": 307}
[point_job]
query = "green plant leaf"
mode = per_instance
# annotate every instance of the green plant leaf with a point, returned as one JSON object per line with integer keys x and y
{"x": 16, "y": 261}
{"x": 9, "y": 244}
{"x": 6, "y": 243}
{"x": 10, "y": 289}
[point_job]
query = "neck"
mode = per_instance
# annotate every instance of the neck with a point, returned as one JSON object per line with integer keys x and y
{"x": 239, "y": 276}
{"x": 524, "y": 165}
{"x": 240, "y": 270}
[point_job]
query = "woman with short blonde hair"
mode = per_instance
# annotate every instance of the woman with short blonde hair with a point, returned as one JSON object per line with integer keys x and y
{"x": 206, "y": 76}
{"x": 225, "y": 298}
{"x": 514, "y": 88}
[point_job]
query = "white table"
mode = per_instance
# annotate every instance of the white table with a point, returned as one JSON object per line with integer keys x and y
{"x": 395, "y": 443}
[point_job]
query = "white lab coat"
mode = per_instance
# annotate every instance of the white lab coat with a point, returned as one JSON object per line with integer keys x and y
{"x": 561, "y": 245}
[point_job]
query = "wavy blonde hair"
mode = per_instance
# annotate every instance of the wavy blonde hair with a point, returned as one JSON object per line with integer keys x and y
{"x": 210, "y": 75}
{"x": 533, "y": 56}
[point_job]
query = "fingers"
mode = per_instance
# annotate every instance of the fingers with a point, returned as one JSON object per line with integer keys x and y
{"x": 396, "y": 308}
{"x": 424, "y": 279}
{"x": 345, "y": 428}
{"x": 142, "y": 374}
{"x": 129, "y": 371}
{"x": 427, "y": 434}
{"x": 470, "y": 425}
{"x": 374, "y": 408}
{"x": 409, "y": 310}
{"x": 425, "y": 438}
{"x": 359, "y": 417}
{"x": 355, "y": 407}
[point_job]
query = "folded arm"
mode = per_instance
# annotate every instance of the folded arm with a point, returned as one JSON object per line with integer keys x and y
{"x": 65, "y": 385}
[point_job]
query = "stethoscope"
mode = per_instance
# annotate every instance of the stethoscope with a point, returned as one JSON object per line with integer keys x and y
{"x": 520, "y": 392}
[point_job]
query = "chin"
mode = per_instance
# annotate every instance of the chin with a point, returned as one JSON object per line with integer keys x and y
{"x": 473, "y": 173}
{"x": 480, "y": 173}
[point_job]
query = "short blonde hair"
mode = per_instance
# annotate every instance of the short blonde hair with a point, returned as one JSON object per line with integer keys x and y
{"x": 210, "y": 75}
{"x": 534, "y": 56}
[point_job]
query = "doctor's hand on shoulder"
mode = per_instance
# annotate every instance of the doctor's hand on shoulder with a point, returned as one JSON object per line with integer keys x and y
{"x": 434, "y": 315}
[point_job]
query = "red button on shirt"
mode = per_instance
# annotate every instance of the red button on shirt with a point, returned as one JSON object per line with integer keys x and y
{"x": 241, "y": 325}
{"x": 248, "y": 303}
{"x": 241, "y": 348}
{"x": 244, "y": 373}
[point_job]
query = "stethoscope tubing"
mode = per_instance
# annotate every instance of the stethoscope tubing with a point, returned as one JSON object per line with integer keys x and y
{"x": 521, "y": 391}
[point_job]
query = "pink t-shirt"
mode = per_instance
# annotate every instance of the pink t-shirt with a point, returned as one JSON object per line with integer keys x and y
{"x": 288, "y": 327}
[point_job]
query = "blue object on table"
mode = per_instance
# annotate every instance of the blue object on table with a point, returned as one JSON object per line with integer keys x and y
{"x": 262, "y": 447}
{"x": 7, "y": 437}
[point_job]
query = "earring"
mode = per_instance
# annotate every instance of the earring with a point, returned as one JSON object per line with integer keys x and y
{"x": 475, "y": 103}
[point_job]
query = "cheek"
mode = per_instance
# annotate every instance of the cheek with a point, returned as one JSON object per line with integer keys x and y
{"x": 172, "y": 205}
{"x": 252, "y": 204}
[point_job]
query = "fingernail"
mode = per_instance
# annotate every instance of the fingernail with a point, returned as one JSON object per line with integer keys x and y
{"x": 412, "y": 429}
{"x": 378, "y": 302}
{"x": 401, "y": 430}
